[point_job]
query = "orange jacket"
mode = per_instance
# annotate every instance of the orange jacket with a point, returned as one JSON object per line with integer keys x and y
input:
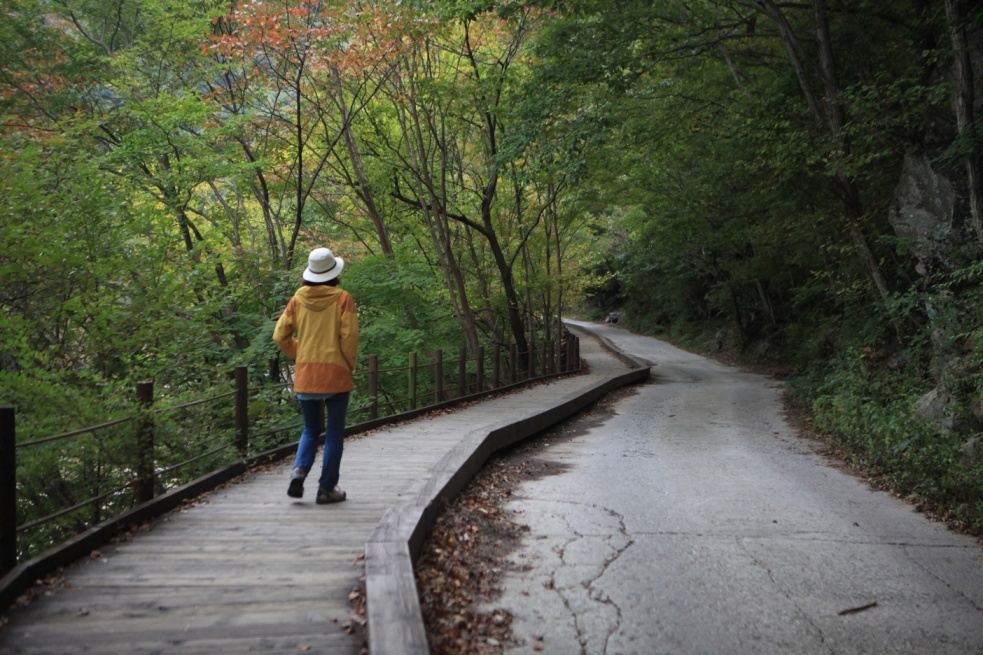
{"x": 319, "y": 329}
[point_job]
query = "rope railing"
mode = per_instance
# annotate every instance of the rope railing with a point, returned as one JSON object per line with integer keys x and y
{"x": 125, "y": 462}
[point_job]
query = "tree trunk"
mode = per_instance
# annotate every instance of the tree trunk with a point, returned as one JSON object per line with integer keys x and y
{"x": 963, "y": 72}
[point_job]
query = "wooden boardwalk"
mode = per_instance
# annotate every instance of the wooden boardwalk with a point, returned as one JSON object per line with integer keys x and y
{"x": 245, "y": 568}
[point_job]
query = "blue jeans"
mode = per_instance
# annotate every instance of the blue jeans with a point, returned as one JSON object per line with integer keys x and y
{"x": 334, "y": 437}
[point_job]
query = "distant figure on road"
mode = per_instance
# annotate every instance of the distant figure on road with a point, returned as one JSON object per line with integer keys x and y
{"x": 319, "y": 330}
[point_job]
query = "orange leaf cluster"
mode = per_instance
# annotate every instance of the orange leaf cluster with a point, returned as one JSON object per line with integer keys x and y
{"x": 314, "y": 36}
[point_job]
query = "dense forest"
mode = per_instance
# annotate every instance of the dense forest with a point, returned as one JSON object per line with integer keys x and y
{"x": 797, "y": 182}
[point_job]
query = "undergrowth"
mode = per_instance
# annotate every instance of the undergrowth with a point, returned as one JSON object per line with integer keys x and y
{"x": 872, "y": 416}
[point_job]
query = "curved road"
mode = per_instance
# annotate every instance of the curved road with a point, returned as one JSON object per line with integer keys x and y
{"x": 693, "y": 519}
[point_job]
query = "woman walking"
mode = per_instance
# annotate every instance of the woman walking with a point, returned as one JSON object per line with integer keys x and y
{"x": 319, "y": 330}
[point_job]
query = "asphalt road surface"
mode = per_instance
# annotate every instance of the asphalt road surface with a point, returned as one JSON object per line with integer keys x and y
{"x": 691, "y": 518}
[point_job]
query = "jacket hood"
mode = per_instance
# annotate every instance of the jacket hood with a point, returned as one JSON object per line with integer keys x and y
{"x": 317, "y": 298}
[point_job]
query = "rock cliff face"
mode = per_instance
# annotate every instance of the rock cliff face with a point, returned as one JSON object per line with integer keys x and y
{"x": 924, "y": 211}
{"x": 932, "y": 212}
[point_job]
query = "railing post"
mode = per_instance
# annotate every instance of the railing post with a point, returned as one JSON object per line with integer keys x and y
{"x": 412, "y": 381}
{"x": 497, "y": 367}
{"x": 480, "y": 370}
{"x": 373, "y": 386}
{"x": 462, "y": 372}
{"x": 513, "y": 363}
{"x": 242, "y": 409}
{"x": 438, "y": 376}
{"x": 532, "y": 365}
{"x": 8, "y": 490}
{"x": 144, "y": 489}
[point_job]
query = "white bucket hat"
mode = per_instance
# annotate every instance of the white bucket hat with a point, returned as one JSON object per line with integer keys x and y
{"x": 322, "y": 266}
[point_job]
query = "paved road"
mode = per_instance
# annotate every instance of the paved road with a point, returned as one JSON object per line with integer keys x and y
{"x": 693, "y": 519}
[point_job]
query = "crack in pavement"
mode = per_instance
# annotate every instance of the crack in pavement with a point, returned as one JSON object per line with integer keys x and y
{"x": 740, "y": 541}
{"x": 917, "y": 562}
{"x": 607, "y": 599}
{"x": 568, "y": 590}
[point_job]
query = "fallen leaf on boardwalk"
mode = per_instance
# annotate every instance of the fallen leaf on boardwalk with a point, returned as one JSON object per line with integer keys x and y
{"x": 25, "y": 598}
{"x": 538, "y": 647}
{"x": 83, "y": 612}
{"x": 355, "y": 625}
{"x": 304, "y": 648}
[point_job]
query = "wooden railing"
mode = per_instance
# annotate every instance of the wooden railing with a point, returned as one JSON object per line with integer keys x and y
{"x": 131, "y": 460}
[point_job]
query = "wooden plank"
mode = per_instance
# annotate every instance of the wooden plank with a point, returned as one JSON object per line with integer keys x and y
{"x": 229, "y": 596}
{"x": 142, "y": 619}
{"x": 280, "y": 574}
{"x": 273, "y": 638}
{"x": 269, "y": 546}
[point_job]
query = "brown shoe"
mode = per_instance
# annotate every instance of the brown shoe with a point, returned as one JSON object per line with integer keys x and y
{"x": 325, "y": 497}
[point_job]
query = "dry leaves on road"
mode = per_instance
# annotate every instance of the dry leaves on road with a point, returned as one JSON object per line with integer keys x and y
{"x": 462, "y": 562}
